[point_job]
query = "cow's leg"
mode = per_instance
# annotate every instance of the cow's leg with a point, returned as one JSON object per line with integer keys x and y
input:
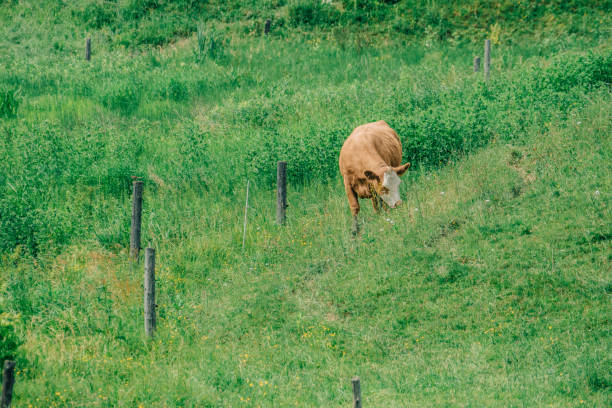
{"x": 354, "y": 204}
{"x": 355, "y": 227}
{"x": 377, "y": 203}
{"x": 352, "y": 198}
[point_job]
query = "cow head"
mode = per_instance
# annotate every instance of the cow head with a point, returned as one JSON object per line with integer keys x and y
{"x": 386, "y": 183}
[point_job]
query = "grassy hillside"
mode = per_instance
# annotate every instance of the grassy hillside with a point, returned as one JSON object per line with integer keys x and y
{"x": 489, "y": 287}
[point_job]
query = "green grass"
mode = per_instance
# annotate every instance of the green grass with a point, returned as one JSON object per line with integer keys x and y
{"x": 489, "y": 287}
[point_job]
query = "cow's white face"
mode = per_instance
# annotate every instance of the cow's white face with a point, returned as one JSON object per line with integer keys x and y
{"x": 390, "y": 189}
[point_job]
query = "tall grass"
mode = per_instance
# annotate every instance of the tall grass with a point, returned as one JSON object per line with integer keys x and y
{"x": 298, "y": 120}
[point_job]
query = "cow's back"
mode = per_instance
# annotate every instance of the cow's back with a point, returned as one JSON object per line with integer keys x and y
{"x": 368, "y": 144}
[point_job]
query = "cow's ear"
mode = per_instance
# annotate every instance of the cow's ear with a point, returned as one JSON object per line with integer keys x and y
{"x": 371, "y": 175}
{"x": 401, "y": 169}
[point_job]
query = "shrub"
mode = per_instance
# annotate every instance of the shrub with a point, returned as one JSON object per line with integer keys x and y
{"x": 39, "y": 160}
{"x": 312, "y": 156}
{"x": 33, "y": 159}
{"x": 435, "y": 125}
{"x": 194, "y": 154}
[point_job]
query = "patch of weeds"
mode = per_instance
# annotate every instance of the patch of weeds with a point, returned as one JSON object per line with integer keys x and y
{"x": 121, "y": 95}
{"x": 600, "y": 236}
{"x": 313, "y": 13}
{"x": 594, "y": 238}
{"x": 451, "y": 272}
{"x": 194, "y": 154}
{"x": 9, "y": 341}
{"x": 318, "y": 267}
{"x": 111, "y": 235}
{"x": 211, "y": 44}
{"x": 516, "y": 190}
{"x": 444, "y": 230}
{"x": 598, "y": 374}
{"x": 10, "y": 99}
{"x": 515, "y": 157}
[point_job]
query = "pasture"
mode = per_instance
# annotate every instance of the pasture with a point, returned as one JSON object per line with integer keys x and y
{"x": 490, "y": 286}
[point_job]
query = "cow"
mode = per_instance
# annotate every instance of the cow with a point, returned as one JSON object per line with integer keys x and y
{"x": 370, "y": 164}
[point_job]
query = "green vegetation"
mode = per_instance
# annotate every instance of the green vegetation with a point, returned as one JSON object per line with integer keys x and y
{"x": 490, "y": 287}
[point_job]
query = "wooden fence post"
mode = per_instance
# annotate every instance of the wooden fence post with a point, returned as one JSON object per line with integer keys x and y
{"x": 476, "y": 64}
{"x": 136, "y": 219}
{"x": 267, "y": 27}
{"x": 8, "y": 380}
{"x": 149, "y": 292}
{"x": 356, "y": 393}
{"x": 88, "y": 49}
{"x": 281, "y": 192}
{"x": 487, "y": 59}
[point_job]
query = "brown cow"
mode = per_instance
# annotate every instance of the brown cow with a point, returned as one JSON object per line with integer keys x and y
{"x": 370, "y": 163}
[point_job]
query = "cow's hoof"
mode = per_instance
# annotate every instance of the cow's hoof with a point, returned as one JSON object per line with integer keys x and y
{"x": 355, "y": 228}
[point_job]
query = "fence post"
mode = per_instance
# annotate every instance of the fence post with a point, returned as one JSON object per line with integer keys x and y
{"x": 8, "y": 380}
{"x": 136, "y": 219}
{"x": 267, "y": 27}
{"x": 149, "y": 292}
{"x": 356, "y": 393}
{"x": 281, "y": 192}
{"x": 487, "y": 59}
{"x": 476, "y": 64}
{"x": 88, "y": 49}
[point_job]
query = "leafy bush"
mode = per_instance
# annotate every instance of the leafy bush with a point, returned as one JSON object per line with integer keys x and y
{"x": 436, "y": 125}
{"x": 9, "y": 102}
{"x": 38, "y": 160}
{"x": 311, "y": 157}
{"x": 194, "y": 154}
{"x": 33, "y": 159}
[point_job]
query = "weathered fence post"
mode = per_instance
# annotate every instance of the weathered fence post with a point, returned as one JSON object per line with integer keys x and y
{"x": 267, "y": 27}
{"x": 88, "y": 49}
{"x": 136, "y": 219}
{"x": 281, "y": 192}
{"x": 487, "y": 59}
{"x": 356, "y": 393}
{"x": 8, "y": 380}
{"x": 476, "y": 64}
{"x": 149, "y": 292}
